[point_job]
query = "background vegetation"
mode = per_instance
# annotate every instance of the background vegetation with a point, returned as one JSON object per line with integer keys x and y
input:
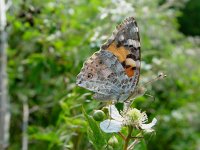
{"x": 48, "y": 43}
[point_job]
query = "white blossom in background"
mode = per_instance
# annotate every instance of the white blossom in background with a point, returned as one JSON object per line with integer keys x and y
{"x": 117, "y": 11}
{"x": 122, "y": 8}
{"x": 132, "y": 117}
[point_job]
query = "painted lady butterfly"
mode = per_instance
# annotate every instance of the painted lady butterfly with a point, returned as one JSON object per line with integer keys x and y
{"x": 113, "y": 72}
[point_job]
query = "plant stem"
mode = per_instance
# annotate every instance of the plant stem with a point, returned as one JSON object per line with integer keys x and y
{"x": 122, "y": 136}
{"x": 130, "y": 129}
{"x": 136, "y": 141}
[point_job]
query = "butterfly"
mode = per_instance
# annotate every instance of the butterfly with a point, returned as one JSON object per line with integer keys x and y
{"x": 112, "y": 73}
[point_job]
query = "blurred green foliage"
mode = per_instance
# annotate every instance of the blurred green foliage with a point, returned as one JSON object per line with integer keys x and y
{"x": 48, "y": 43}
{"x": 189, "y": 21}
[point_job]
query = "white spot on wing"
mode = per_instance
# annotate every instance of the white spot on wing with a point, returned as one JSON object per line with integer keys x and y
{"x": 136, "y": 29}
{"x": 121, "y": 37}
{"x": 135, "y": 43}
{"x": 130, "y": 62}
{"x": 137, "y": 63}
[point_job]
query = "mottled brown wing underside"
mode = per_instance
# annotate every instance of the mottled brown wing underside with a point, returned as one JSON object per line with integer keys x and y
{"x": 113, "y": 72}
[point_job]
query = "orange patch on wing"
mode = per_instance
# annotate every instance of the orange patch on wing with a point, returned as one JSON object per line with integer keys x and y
{"x": 129, "y": 71}
{"x": 120, "y": 52}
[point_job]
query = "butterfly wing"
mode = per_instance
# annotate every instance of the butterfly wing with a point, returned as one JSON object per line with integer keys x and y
{"x": 113, "y": 72}
{"x": 103, "y": 74}
{"x": 125, "y": 45}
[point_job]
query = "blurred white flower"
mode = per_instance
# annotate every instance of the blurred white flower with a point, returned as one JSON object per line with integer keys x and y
{"x": 146, "y": 66}
{"x": 120, "y": 8}
{"x": 132, "y": 117}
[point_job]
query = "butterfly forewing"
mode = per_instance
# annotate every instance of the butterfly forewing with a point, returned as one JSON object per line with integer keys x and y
{"x": 125, "y": 45}
{"x": 113, "y": 72}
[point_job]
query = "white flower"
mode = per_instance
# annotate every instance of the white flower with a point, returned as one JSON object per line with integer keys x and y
{"x": 132, "y": 117}
{"x": 114, "y": 124}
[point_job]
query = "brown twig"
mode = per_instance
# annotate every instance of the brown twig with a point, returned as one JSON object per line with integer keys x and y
{"x": 136, "y": 141}
{"x": 135, "y": 137}
{"x": 130, "y": 129}
{"x": 122, "y": 136}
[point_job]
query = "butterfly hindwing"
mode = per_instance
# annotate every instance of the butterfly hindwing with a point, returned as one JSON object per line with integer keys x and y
{"x": 95, "y": 73}
{"x": 104, "y": 74}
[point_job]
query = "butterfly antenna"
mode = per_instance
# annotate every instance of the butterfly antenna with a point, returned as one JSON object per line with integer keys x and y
{"x": 141, "y": 91}
{"x": 159, "y": 77}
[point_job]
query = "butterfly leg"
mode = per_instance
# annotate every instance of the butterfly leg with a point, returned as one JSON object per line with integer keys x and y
{"x": 151, "y": 96}
{"x": 127, "y": 105}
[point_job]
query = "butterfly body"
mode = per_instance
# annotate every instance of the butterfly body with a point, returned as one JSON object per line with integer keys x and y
{"x": 113, "y": 72}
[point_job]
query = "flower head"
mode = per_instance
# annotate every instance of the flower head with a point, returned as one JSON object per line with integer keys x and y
{"x": 135, "y": 117}
{"x": 132, "y": 117}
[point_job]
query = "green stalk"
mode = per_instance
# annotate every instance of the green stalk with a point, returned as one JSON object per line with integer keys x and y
{"x": 130, "y": 129}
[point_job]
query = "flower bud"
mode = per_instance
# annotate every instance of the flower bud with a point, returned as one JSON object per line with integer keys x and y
{"x": 105, "y": 110}
{"x": 108, "y": 147}
{"x": 113, "y": 141}
{"x": 98, "y": 115}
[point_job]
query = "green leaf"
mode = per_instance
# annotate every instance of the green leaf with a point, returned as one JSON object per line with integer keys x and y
{"x": 95, "y": 135}
{"x": 141, "y": 145}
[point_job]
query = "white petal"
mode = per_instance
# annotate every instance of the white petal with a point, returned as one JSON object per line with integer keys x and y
{"x": 110, "y": 126}
{"x": 149, "y": 130}
{"x": 149, "y": 125}
{"x": 114, "y": 113}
